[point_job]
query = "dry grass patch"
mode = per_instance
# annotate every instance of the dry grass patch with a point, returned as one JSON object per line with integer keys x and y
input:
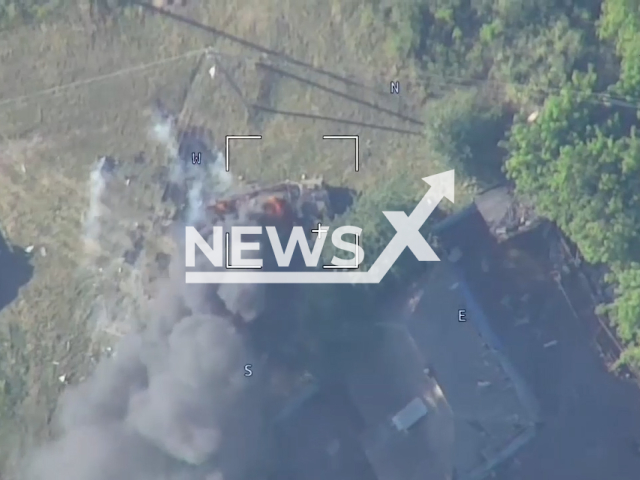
{"x": 58, "y": 137}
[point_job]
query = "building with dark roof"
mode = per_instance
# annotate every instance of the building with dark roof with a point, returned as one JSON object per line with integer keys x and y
{"x": 320, "y": 439}
{"x": 436, "y": 400}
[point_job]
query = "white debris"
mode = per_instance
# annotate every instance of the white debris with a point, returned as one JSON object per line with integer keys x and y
{"x": 533, "y": 116}
{"x": 23, "y": 168}
{"x": 55, "y": 363}
{"x": 29, "y": 249}
{"x": 552, "y": 343}
{"x": 62, "y": 378}
{"x": 212, "y": 72}
{"x": 483, "y": 384}
{"x": 43, "y": 251}
{"x": 455, "y": 255}
{"x": 454, "y": 286}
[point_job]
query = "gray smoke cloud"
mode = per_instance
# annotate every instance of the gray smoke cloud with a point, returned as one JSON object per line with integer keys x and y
{"x": 172, "y": 402}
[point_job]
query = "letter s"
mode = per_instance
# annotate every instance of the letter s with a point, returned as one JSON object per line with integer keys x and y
{"x": 357, "y": 250}
{"x": 247, "y": 370}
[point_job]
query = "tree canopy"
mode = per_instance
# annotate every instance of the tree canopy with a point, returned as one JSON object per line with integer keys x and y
{"x": 575, "y": 65}
{"x": 580, "y": 163}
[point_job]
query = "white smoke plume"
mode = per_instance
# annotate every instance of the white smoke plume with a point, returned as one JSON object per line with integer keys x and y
{"x": 172, "y": 403}
{"x": 202, "y": 181}
{"x": 163, "y": 131}
{"x": 93, "y": 216}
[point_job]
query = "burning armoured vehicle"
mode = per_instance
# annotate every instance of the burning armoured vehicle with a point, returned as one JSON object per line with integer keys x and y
{"x": 285, "y": 204}
{"x": 206, "y": 196}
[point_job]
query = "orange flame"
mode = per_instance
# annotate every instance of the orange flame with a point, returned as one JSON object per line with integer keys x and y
{"x": 275, "y": 207}
{"x": 222, "y": 207}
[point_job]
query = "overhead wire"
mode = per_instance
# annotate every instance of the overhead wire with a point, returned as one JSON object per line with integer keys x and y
{"x": 99, "y": 78}
{"x": 597, "y": 97}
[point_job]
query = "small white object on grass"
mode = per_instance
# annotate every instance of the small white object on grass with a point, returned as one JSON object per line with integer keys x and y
{"x": 212, "y": 72}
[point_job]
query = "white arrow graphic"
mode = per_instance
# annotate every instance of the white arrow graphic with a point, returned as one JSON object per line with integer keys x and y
{"x": 408, "y": 228}
{"x": 407, "y": 235}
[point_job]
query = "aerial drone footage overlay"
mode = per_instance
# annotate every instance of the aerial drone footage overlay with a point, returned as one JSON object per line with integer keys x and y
{"x": 319, "y": 240}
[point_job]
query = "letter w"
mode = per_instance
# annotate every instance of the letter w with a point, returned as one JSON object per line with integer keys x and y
{"x": 283, "y": 258}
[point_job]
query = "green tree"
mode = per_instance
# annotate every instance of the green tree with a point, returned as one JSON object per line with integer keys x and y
{"x": 338, "y": 320}
{"x": 624, "y": 311}
{"x": 463, "y": 131}
{"x": 620, "y": 24}
{"x": 397, "y": 192}
{"x": 581, "y": 167}
{"x": 580, "y": 163}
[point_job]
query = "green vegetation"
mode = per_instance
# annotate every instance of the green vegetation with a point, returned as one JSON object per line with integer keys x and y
{"x": 463, "y": 132}
{"x": 338, "y": 318}
{"x": 576, "y": 65}
{"x": 13, "y": 12}
{"x": 485, "y": 65}
{"x": 580, "y": 161}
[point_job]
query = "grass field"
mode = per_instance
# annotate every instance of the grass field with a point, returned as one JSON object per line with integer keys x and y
{"x": 50, "y": 143}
